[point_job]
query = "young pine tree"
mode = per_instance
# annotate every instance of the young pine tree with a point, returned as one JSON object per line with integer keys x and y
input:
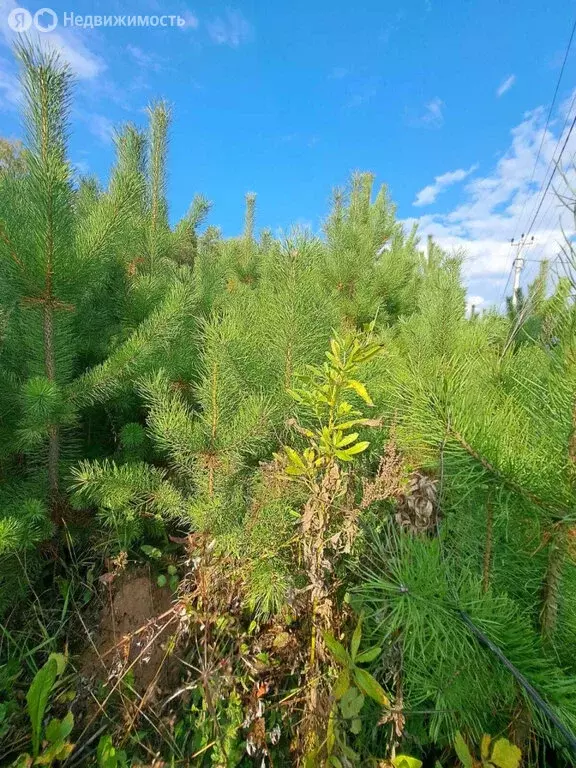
{"x": 64, "y": 286}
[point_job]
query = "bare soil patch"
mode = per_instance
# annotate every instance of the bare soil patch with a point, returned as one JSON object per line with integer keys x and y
{"x": 133, "y": 636}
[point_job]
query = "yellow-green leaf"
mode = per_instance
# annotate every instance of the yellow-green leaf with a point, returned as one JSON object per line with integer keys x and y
{"x": 405, "y": 761}
{"x": 295, "y": 464}
{"x": 371, "y": 687}
{"x": 361, "y": 390}
{"x": 60, "y": 660}
{"x": 295, "y": 395}
{"x": 349, "y": 424}
{"x": 505, "y": 754}
{"x": 356, "y": 639}
{"x": 342, "y": 684}
{"x": 346, "y": 440}
{"x": 367, "y": 656}
{"x": 342, "y": 455}
{"x": 367, "y": 353}
{"x": 463, "y": 752}
{"x": 58, "y": 730}
{"x": 292, "y": 470}
{"x": 485, "y": 746}
{"x": 337, "y": 649}
{"x": 330, "y": 733}
{"x": 294, "y": 456}
{"x": 358, "y": 448}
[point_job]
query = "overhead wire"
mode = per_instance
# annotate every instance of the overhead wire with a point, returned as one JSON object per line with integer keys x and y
{"x": 544, "y": 133}
{"x": 548, "y": 118}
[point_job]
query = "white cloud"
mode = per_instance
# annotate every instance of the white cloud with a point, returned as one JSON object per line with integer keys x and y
{"x": 144, "y": 59}
{"x": 433, "y": 115}
{"x": 81, "y": 167}
{"x": 10, "y": 93}
{"x": 505, "y": 85}
{"x": 233, "y": 29}
{"x": 501, "y": 205}
{"x": 190, "y": 19}
{"x": 99, "y": 125}
{"x": 428, "y": 195}
{"x": 66, "y": 42}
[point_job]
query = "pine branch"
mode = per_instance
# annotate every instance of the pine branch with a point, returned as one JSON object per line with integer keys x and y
{"x": 154, "y": 335}
{"x": 557, "y": 550}
{"x": 487, "y": 565}
{"x": 249, "y": 216}
{"x": 557, "y": 510}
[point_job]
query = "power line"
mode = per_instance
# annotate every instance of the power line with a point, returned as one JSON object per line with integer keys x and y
{"x": 556, "y": 160}
{"x": 552, "y": 174}
{"x": 554, "y": 97}
{"x": 539, "y": 261}
{"x": 519, "y": 261}
{"x": 554, "y": 204}
{"x": 536, "y": 697}
{"x": 550, "y": 110}
{"x": 507, "y": 282}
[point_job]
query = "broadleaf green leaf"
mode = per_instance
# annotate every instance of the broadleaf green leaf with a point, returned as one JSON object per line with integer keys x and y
{"x": 346, "y": 440}
{"x": 342, "y": 684}
{"x": 505, "y": 754}
{"x": 356, "y": 639}
{"x": 358, "y": 448}
{"x": 37, "y": 699}
{"x": 356, "y": 726}
{"x": 463, "y": 752}
{"x": 370, "y": 655}
{"x": 406, "y": 761}
{"x": 351, "y": 703}
{"x": 371, "y": 687}
{"x": 337, "y": 649}
{"x": 59, "y": 730}
{"x": 361, "y": 390}
{"x": 60, "y": 660}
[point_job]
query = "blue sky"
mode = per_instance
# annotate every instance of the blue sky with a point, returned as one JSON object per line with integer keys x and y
{"x": 444, "y": 102}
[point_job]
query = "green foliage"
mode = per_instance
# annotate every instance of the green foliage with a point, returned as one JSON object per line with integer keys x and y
{"x": 353, "y": 679}
{"x": 108, "y": 756}
{"x": 56, "y": 746}
{"x": 160, "y": 384}
{"x": 350, "y": 690}
{"x": 73, "y": 333}
{"x": 38, "y": 695}
{"x": 372, "y": 269}
{"x": 322, "y": 397}
{"x": 405, "y": 761}
{"x": 497, "y": 753}
{"x": 12, "y": 160}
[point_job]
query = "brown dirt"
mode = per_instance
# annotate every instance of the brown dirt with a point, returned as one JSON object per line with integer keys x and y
{"x": 135, "y": 626}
